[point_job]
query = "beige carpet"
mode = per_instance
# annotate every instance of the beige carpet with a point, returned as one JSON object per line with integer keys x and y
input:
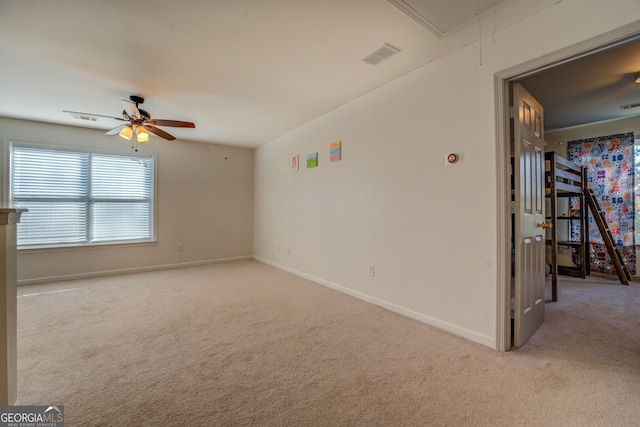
{"x": 242, "y": 343}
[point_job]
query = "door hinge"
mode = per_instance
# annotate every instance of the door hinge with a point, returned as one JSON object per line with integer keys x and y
{"x": 513, "y": 303}
{"x": 512, "y": 112}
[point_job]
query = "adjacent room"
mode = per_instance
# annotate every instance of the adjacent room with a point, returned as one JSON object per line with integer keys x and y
{"x": 306, "y": 213}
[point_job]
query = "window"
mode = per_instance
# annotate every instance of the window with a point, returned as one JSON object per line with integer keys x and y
{"x": 80, "y": 198}
{"x": 636, "y": 188}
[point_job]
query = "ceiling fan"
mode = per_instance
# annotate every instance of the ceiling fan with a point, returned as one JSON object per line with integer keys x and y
{"x": 138, "y": 121}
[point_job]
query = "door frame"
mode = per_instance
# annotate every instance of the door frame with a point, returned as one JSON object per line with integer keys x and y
{"x": 502, "y": 82}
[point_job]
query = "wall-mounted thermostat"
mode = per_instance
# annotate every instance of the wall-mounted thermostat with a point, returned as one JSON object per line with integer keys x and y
{"x": 453, "y": 158}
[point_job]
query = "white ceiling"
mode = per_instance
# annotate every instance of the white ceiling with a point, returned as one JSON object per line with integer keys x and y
{"x": 589, "y": 89}
{"x": 444, "y": 17}
{"x": 245, "y": 71}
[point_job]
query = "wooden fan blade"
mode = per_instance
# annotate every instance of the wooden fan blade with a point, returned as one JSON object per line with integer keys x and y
{"x": 171, "y": 123}
{"x": 117, "y": 129}
{"x": 95, "y": 115}
{"x": 159, "y": 132}
{"x": 131, "y": 109}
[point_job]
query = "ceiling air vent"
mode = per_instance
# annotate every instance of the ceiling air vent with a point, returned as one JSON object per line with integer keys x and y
{"x": 84, "y": 117}
{"x": 382, "y": 53}
{"x": 630, "y": 106}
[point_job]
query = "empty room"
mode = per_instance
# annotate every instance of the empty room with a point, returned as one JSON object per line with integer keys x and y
{"x": 319, "y": 213}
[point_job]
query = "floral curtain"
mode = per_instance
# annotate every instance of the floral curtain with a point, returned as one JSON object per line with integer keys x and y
{"x": 610, "y": 174}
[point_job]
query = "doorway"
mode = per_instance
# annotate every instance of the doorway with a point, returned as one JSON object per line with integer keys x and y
{"x": 503, "y": 83}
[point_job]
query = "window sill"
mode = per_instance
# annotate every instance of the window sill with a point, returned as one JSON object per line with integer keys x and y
{"x": 42, "y": 249}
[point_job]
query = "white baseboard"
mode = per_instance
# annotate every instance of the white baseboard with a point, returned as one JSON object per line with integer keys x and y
{"x": 128, "y": 270}
{"x": 432, "y": 321}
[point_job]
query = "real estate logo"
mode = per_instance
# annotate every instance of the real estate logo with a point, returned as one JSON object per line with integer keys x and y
{"x": 31, "y": 416}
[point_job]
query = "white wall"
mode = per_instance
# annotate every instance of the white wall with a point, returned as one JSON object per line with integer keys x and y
{"x": 556, "y": 140}
{"x": 204, "y": 202}
{"x": 430, "y": 229}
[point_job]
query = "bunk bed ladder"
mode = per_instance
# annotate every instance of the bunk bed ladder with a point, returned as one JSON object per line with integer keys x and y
{"x": 612, "y": 249}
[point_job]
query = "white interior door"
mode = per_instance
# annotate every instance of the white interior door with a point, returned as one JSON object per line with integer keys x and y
{"x": 529, "y": 238}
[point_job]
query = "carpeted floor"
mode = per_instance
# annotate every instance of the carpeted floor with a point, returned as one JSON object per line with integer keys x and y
{"x": 242, "y": 343}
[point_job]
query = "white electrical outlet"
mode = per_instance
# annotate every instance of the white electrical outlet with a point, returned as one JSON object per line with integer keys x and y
{"x": 372, "y": 270}
{"x": 180, "y": 247}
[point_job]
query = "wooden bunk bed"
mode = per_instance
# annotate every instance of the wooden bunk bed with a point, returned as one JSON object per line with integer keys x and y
{"x": 565, "y": 179}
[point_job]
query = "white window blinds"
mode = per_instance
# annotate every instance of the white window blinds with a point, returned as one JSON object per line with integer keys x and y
{"x": 80, "y": 198}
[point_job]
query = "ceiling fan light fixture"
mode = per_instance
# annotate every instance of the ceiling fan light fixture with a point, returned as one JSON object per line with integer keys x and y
{"x": 141, "y": 134}
{"x": 126, "y": 132}
{"x": 135, "y": 120}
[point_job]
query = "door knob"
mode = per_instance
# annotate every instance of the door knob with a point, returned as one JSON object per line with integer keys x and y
{"x": 546, "y": 225}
